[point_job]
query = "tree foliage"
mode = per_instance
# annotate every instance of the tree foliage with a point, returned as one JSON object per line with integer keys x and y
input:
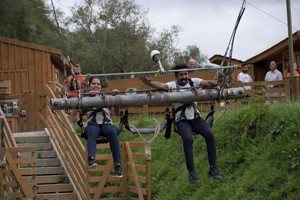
{"x": 104, "y": 36}
{"x": 192, "y": 51}
{"x": 27, "y": 21}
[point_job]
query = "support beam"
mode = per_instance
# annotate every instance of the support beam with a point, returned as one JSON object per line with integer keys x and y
{"x": 156, "y": 98}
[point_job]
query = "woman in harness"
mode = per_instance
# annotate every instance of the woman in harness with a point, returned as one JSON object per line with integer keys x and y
{"x": 188, "y": 120}
{"x": 100, "y": 124}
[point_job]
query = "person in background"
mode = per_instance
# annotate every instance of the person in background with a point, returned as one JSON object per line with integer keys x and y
{"x": 244, "y": 77}
{"x": 273, "y": 75}
{"x": 191, "y": 63}
{"x": 75, "y": 89}
{"x": 99, "y": 124}
{"x": 296, "y": 71}
{"x": 188, "y": 120}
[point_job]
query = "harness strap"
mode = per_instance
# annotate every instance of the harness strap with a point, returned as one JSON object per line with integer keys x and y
{"x": 94, "y": 114}
{"x": 186, "y": 105}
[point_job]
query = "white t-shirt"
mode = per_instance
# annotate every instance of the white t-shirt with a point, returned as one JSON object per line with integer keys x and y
{"x": 189, "y": 111}
{"x": 245, "y": 78}
{"x": 274, "y": 76}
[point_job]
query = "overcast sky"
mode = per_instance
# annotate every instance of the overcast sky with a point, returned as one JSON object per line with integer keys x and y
{"x": 209, "y": 23}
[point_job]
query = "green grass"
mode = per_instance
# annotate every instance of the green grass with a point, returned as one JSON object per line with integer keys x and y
{"x": 258, "y": 150}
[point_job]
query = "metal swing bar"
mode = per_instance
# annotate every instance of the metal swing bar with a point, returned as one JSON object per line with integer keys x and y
{"x": 157, "y": 98}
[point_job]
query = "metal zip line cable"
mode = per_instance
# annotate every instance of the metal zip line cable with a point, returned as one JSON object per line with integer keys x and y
{"x": 269, "y": 14}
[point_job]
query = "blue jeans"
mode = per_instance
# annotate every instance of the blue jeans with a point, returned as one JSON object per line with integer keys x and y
{"x": 109, "y": 131}
{"x": 199, "y": 126}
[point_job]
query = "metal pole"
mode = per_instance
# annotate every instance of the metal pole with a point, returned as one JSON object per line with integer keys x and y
{"x": 206, "y": 68}
{"x": 157, "y": 98}
{"x": 291, "y": 48}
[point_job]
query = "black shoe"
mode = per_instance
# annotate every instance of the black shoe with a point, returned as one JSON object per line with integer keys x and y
{"x": 118, "y": 170}
{"x": 193, "y": 178}
{"x": 92, "y": 163}
{"x": 215, "y": 173}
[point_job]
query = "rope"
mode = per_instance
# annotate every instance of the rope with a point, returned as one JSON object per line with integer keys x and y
{"x": 225, "y": 110}
{"x": 63, "y": 47}
{"x": 157, "y": 131}
{"x": 63, "y": 124}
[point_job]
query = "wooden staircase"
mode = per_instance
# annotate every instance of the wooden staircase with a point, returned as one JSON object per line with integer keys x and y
{"x": 52, "y": 179}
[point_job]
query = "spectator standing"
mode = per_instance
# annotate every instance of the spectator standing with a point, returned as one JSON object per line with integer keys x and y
{"x": 273, "y": 75}
{"x": 296, "y": 71}
{"x": 244, "y": 77}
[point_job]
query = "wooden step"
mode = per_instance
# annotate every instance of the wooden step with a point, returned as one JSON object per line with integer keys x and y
{"x": 53, "y": 162}
{"x": 50, "y": 170}
{"x": 38, "y": 146}
{"x": 47, "y": 162}
{"x": 52, "y": 179}
{"x": 54, "y": 188}
{"x": 41, "y": 154}
{"x": 58, "y": 196}
{"x": 31, "y": 139}
{"x": 32, "y": 133}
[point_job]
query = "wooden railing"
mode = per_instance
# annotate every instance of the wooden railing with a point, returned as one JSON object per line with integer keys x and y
{"x": 68, "y": 145}
{"x": 263, "y": 88}
{"x": 6, "y": 133}
{"x": 18, "y": 177}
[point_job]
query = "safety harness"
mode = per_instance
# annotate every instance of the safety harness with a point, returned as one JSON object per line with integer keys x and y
{"x": 183, "y": 107}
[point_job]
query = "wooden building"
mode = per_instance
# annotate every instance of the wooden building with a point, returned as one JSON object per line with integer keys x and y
{"x": 259, "y": 64}
{"x": 25, "y": 69}
{"x": 279, "y": 52}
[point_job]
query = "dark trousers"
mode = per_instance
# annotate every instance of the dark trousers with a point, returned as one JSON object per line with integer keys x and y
{"x": 199, "y": 126}
{"x": 107, "y": 130}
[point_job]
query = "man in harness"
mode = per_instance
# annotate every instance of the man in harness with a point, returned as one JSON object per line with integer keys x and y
{"x": 187, "y": 120}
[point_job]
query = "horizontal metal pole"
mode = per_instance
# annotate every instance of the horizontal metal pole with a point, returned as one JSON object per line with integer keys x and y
{"x": 207, "y": 68}
{"x": 156, "y": 98}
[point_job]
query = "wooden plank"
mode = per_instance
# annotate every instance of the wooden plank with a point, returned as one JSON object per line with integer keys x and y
{"x": 141, "y": 179}
{"x": 57, "y": 196}
{"x": 131, "y": 161}
{"x": 136, "y": 189}
{"x": 138, "y": 156}
{"x": 48, "y": 179}
{"x": 1, "y": 182}
{"x": 101, "y": 185}
{"x": 103, "y": 156}
{"x": 112, "y": 189}
{"x": 48, "y": 188}
{"x": 5, "y": 86}
{"x": 137, "y": 145}
{"x": 138, "y": 167}
{"x": 16, "y": 171}
{"x": 124, "y": 158}
{"x": 148, "y": 180}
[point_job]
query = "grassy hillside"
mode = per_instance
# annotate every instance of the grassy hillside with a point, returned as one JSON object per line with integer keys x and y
{"x": 258, "y": 149}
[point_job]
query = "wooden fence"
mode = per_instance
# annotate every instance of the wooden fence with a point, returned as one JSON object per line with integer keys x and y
{"x": 136, "y": 180}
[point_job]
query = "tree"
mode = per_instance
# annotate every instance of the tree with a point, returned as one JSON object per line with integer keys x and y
{"x": 114, "y": 33}
{"x": 192, "y": 51}
{"x": 27, "y": 20}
